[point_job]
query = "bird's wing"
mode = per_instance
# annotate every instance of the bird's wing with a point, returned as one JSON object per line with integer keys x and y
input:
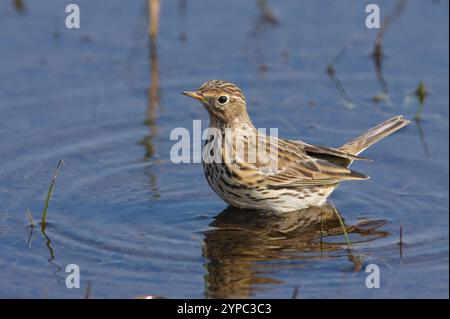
{"x": 333, "y": 155}
{"x": 297, "y": 166}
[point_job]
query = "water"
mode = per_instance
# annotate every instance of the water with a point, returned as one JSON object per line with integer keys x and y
{"x": 137, "y": 224}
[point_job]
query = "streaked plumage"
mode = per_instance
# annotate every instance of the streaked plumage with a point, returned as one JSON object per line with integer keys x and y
{"x": 305, "y": 174}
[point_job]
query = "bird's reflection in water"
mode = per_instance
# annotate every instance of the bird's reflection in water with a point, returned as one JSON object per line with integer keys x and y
{"x": 243, "y": 240}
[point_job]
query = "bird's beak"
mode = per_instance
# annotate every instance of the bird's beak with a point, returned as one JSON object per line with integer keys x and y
{"x": 194, "y": 95}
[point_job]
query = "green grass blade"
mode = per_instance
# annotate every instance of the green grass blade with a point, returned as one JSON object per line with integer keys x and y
{"x": 49, "y": 196}
{"x": 344, "y": 229}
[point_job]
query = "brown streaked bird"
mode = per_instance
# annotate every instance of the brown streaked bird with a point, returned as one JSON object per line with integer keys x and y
{"x": 305, "y": 174}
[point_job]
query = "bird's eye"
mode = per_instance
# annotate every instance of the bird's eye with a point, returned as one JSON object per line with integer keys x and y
{"x": 222, "y": 99}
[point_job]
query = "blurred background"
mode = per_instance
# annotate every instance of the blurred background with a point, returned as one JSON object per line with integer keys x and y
{"x": 105, "y": 97}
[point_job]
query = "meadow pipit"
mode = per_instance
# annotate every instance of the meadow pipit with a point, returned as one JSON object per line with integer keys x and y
{"x": 298, "y": 176}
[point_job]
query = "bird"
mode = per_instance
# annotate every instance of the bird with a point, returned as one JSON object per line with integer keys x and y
{"x": 294, "y": 175}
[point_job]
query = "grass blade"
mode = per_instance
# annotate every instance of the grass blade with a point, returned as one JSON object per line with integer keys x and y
{"x": 49, "y": 196}
{"x": 30, "y": 218}
{"x": 344, "y": 229}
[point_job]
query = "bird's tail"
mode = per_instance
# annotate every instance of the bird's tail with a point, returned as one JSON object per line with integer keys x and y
{"x": 373, "y": 135}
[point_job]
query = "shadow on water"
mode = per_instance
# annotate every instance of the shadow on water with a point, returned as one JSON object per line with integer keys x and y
{"x": 245, "y": 246}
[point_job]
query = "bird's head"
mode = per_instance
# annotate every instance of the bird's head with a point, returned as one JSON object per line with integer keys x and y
{"x": 223, "y": 100}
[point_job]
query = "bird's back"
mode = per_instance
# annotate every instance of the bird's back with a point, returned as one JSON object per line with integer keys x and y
{"x": 297, "y": 175}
